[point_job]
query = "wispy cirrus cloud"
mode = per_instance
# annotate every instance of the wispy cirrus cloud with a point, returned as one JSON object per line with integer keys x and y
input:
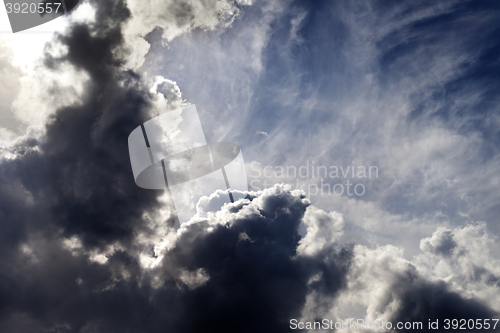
{"x": 407, "y": 87}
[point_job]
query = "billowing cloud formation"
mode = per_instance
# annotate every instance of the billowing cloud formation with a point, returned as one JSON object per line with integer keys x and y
{"x": 465, "y": 259}
{"x": 78, "y": 241}
{"x": 174, "y": 18}
{"x": 453, "y": 278}
{"x": 83, "y": 249}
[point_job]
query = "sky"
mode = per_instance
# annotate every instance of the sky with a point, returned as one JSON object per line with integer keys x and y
{"x": 370, "y": 134}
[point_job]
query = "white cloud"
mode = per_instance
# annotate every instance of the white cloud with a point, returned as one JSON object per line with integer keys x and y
{"x": 169, "y": 96}
{"x": 174, "y": 18}
{"x": 461, "y": 257}
{"x": 31, "y": 92}
{"x": 322, "y": 229}
{"x": 465, "y": 258}
{"x": 194, "y": 279}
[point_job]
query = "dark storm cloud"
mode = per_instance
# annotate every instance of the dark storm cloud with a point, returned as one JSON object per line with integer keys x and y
{"x": 80, "y": 178}
{"x": 255, "y": 283}
{"x": 77, "y": 181}
{"x": 421, "y": 300}
{"x": 239, "y": 272}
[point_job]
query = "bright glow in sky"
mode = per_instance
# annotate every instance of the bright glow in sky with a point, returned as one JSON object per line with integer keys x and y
{"x": 410, "y": 88}
{"x": 28, "y": 45}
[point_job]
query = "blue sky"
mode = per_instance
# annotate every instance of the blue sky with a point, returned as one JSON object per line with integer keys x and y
{"x": 410, "y": 88}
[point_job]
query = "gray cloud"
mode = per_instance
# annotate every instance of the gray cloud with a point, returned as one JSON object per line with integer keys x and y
{"x": 421, "y": 301}
{"x": 83, "y": 249}
{"x": 72, "y": 218}
{"x": 441, "y": 243}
